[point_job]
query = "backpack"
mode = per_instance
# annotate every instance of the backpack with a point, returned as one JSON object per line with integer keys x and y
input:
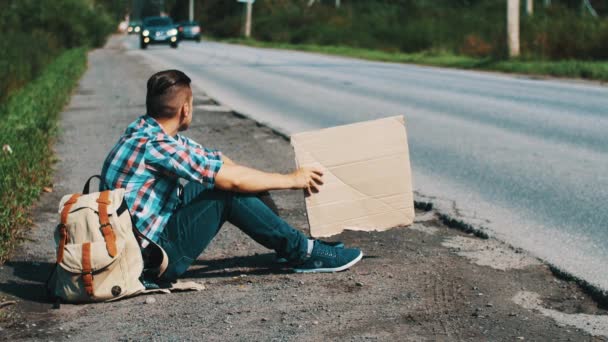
{"x": 98, "y": 255}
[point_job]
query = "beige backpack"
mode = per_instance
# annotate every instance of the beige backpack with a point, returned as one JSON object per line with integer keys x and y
{"x": 98, "y": 255}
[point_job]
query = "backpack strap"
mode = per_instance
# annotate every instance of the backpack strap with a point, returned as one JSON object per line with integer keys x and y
{"x": 63, "y": 230}
{"x": 87, "y": 271}
{"x": 102, "y": 184}
{"x": 104, "y": 220}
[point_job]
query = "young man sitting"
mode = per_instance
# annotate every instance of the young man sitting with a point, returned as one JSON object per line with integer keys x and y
{"x": 151, "y": 157}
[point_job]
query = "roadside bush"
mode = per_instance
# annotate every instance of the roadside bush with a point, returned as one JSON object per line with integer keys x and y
{"x": 22, "y": 57}
{"x": 561, "y": 34}
{"x": 73, "y": 22}
{"x": 27, "y": 125}
{"x": 475, "y": 46}
{"x": 475, "y": 28}
{"x": 35, "y": 32}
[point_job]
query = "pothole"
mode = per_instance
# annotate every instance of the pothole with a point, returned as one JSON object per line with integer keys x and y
{"x": 596, "y": 325}
{"x": 489, "y": 253}
{"x": 421, "y": 219}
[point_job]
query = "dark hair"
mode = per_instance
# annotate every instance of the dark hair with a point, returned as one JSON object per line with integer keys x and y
{"x": 162, "y": 88}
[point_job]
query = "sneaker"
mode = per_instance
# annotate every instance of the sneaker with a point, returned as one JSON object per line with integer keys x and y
{"x": 325, "y": 258}
{"x": 336, "y": 244}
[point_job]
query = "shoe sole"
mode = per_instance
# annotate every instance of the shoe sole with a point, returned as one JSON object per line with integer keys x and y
{"x": 331, "y": 270}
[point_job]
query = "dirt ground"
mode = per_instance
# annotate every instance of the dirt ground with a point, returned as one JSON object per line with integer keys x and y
{"x": 418, "y": 283}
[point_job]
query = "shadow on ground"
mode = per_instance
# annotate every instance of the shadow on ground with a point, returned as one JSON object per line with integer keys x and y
{"x": 258, "y": 264}
{"x": 30, "y": 280}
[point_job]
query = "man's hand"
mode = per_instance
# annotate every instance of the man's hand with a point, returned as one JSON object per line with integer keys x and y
{"x": 307, "y": 178}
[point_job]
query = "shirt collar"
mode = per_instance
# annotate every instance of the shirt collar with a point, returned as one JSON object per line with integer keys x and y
{"x": 155, "y": 126}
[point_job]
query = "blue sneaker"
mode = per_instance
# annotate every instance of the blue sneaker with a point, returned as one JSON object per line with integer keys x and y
{"x": 325, "y": 258}
{"x": 336, "y": 244}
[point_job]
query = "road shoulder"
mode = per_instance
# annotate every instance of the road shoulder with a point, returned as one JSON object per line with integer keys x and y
{"x": 425, "y": 282}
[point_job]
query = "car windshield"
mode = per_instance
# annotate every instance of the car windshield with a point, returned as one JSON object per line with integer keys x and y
{"x": 159, "y": 22}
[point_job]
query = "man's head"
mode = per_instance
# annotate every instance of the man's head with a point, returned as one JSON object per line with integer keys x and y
{"x": 169, "y": 97}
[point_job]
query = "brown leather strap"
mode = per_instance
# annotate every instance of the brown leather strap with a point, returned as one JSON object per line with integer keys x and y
{"x": 87, "y": 272}
{"x": 67, "y": 206}
{"x": 106, "y": 228}
{"x": 63, "y": 231}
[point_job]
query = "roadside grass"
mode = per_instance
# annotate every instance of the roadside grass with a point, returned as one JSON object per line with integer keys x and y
{"x": 591, "y": 70}
{"x": 28, "y": 124}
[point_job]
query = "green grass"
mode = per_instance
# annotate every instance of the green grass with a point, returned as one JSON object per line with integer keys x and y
{"x": 28, "y": 124}
{"x": 592, "y": 70}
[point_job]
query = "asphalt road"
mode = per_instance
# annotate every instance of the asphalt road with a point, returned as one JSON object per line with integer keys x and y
{"x": 525, "y": 158}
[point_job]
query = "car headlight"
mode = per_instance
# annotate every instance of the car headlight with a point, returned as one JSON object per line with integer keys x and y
{"x": 136, "y": 28}
{"x": 130, "y": 29}
{"x": 172, "y": 32}
{"x": 145, "y": 33}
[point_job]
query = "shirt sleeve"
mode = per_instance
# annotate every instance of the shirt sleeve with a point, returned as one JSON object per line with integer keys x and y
{"x": 211, "y": 153}
{"x": 194, "y": 164}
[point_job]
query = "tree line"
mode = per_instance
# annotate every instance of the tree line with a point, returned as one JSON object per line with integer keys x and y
{"x": 557, "y": 30}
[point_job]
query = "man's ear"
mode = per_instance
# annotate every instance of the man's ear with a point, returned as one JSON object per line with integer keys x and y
{"x": 188, "y": 107}
{"x": 186, "y": 110}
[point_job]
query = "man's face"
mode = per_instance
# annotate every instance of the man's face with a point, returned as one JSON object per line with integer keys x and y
{"x": 187, "y": 119}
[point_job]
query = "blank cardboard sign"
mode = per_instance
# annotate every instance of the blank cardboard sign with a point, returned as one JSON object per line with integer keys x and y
{"x": 367, "y": 176}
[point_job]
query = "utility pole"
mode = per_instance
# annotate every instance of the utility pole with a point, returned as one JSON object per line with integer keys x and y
{"x": 248, "y": 20}
{"x": 248, "y": 9}
{"x": 587, "y": 5}
{"x": 513, "y": 27}
{"x": 529, "y": 7}
{"x": 191, "y": 11}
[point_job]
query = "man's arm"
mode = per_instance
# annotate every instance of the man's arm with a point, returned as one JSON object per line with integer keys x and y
{"x": 227, "y": 161}
{"x": 239, "y": 178}
{"x": 234, "y": 177}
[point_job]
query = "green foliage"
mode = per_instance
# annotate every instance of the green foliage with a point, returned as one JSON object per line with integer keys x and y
{"x": 475, "y": 28}
{"x": 28, "y": 124}
{"x": 219, "y": 18}
{"x": 561, "y": 34}
{"x": 35, "y": 32}
{"x": 42, "y": 55}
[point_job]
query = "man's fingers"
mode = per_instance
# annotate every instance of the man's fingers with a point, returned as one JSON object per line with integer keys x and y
{"x": 317, "y": 178}
{"x": 313, "y": 187}
{"x": 311, "y": 179}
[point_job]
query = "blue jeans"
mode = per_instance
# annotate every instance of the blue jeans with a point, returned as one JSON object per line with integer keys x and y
{"x": 201, "y": 214}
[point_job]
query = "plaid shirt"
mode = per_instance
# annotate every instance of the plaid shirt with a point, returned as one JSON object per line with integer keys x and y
{"x": 148, "y": 163}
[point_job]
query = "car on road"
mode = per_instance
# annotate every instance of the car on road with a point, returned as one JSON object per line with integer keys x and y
{"x": 134, "y": 27}
{"x": 189, "y": 30}
{"x": 158, "y": 30}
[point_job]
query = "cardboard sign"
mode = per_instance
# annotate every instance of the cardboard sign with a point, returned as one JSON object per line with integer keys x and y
{"x": 367, "y": 176}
